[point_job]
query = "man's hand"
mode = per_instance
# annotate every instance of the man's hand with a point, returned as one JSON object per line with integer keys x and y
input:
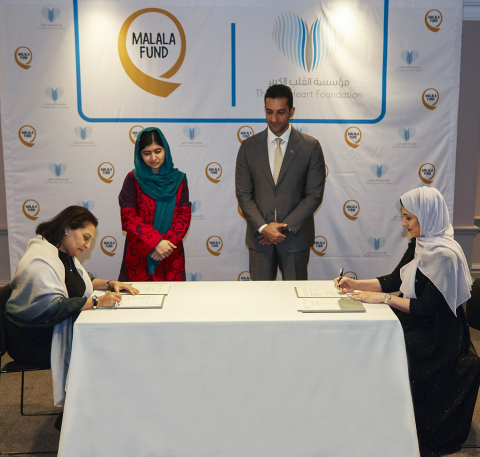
{"x": 271, "y": 235}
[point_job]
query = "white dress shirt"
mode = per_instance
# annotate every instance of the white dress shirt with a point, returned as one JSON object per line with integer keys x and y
{"x": 272, "y": 145}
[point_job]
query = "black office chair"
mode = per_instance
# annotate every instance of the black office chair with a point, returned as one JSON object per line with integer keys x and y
{"x": 473, "y": 306}
{"x": 15, "y": 367}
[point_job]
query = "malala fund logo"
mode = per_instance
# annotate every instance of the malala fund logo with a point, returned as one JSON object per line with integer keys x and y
{"x": 213, "y": 171}
{"x": 152, "y": 41}
{"x": 214, "y": 245}
{"x": 23, "y": 57}
{"x": 351, "y": 209}
{"x": 433, "y": 20}
{"x": 244, "y": 132}
{"x": 430, "y": 98}
{"x": 134, "y": 132}
{"x": 30, "y": 209}
{"x": 320, "y": 245}
{"x": 108, "y": 245}
{"x": 106, "y": 171}
{"x": 244, "y": 276}
{"x": 427, "y": 172}
{"x": 353, "y": 135}
{"x": 27, "y": 135}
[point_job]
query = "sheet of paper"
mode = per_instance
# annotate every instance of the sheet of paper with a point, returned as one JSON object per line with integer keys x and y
{"x": 141, "y": 301}
{"x": 150, "y": 288}
{"x": 325, "y": 292}
{"x": 306, "y": 304}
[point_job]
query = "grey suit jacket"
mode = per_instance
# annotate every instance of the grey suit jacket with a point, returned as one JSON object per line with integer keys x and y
{"x": 297, "y": 195}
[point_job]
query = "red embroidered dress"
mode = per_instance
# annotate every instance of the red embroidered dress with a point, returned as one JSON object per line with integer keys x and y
{"x": 137, "y": 211}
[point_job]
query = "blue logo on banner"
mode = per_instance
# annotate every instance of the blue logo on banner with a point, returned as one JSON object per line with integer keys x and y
{"x": 57, "y": 170}
{"x": 409, "y": 57}
{"x": 89, "y": 205}
{"x": 302, "y": 129}
{"x": 83, "y": 133}
{"x": 377, "y": 243}
{"x": 191, "y": 133}
{"x": 194, "y": 276}
{"x": 379, "y": 170}
{"x": 196, "y": 205}
{"x": 54, "y": 94}
{"x": 306, "y": 48}
{"x": 50, "y": 15}
{"x": 407, "y": 133}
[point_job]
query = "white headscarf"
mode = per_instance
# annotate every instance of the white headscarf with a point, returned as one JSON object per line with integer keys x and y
{"x": 437, "y": 255}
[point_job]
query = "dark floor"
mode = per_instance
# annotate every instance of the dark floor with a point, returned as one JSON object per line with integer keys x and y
{"x": 20, "y": 434}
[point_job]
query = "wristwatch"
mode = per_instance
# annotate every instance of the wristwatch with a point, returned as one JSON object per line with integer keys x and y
{"x": 109, "y": 287}
{"x": 95, "y": 301}
{"x": 387, "y": 297}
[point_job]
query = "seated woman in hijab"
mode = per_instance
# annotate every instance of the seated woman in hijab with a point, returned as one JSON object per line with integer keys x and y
{"x": 434, "y": 280}
{"x": 49, "y": 289}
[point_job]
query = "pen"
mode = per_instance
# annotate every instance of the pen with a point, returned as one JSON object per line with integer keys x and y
{"x": 341, "y": 276}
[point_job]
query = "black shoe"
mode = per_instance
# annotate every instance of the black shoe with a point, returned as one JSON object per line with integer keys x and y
{"x": 58, "y": 422}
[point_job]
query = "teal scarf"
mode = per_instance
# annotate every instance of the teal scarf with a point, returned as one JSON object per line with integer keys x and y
{"x": 162, "y": 188}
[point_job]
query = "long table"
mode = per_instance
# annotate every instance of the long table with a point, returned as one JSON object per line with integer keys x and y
{"x": 231, "y": 369}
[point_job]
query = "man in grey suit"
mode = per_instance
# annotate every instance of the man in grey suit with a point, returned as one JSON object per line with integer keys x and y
{"x": 279, "y": 183}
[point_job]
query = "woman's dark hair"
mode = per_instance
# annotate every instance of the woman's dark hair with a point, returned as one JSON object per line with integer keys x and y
{"x": 148, "y": 138}
{"x": 74, "y": 217}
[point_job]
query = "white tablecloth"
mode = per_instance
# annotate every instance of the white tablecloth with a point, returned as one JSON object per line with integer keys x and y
{"x": 231, "y": 369}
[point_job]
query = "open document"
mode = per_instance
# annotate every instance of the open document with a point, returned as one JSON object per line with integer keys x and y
{"x": 150, "y": 288}
{"x": 329, "y": 305}
{"x": 136, "y": 301}
{"x": 318, "y": 292}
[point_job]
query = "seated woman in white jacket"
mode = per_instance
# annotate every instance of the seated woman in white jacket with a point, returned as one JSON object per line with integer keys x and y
{"x": 50, "y": 288}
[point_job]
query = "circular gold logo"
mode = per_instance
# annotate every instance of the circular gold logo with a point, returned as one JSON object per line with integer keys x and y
{"x": 108, "y": 245}
{"x": 353, "y": 135}
{"x": 214, "y": 245}
{"x": 155, "y": 43}
{"x": 351, "y": 208}
{"x": 430, "y": 98}
{"x": 27, "y": 135}
{"x": 320, "y": 245}
{"x": 105, "y": 172}
{"x": 31, "y": 208}
{"x": 244, "y": 276}
{"x": 213, "y": 171}
{"x": 244, "y": 132}
{"x": 134, "y": 131}
{"x": 433, "y": 20}
{"x": 427, "y": 172}
{"x": 23, "y": 57}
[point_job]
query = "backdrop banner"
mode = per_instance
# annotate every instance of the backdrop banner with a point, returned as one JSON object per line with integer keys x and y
{"x": 376, "y": 81}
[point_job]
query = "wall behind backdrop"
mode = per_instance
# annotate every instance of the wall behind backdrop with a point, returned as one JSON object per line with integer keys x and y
{"x": 375, "y": 81}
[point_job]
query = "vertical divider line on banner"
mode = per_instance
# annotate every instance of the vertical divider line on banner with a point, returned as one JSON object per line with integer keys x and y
{"x": 234, "y": 69}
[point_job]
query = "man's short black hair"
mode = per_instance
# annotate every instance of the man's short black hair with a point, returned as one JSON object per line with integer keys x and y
{"x": 280, "y": 91}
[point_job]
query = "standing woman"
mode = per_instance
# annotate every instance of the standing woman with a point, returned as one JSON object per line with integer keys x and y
{"x": 434, "y": 280}
{"x": 155, "y": 211}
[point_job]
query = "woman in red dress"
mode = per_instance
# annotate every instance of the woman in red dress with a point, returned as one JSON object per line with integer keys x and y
{"x": 156, "y": 213}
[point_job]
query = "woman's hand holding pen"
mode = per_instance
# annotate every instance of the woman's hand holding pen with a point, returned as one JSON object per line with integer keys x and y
{"x": 344, "y": 284}
{"x": 109, "y": 300}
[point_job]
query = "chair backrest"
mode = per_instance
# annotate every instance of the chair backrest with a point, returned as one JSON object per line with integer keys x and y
{"x": 5, "y": 293}
{"x": 473, "y": 306}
